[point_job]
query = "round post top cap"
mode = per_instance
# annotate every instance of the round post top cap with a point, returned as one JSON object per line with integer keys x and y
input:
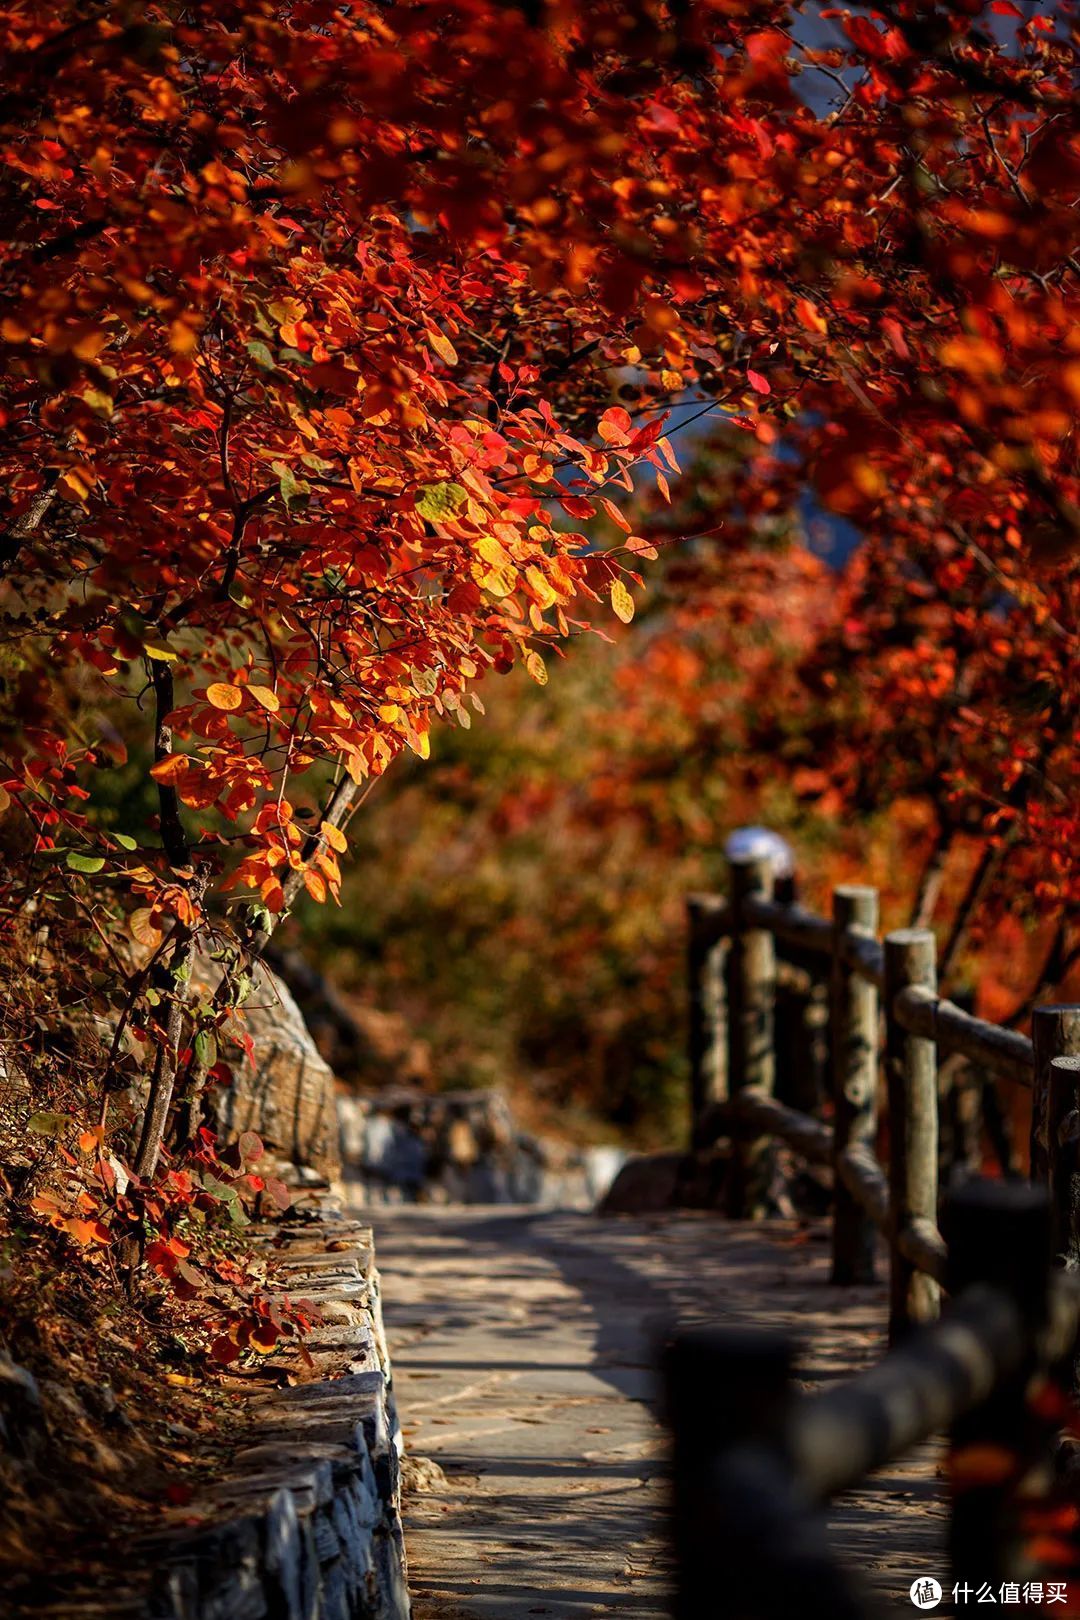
{"x": 761, "y": 843}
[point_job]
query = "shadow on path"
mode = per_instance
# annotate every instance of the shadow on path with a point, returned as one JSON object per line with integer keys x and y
{"x": 525, "y": 1346}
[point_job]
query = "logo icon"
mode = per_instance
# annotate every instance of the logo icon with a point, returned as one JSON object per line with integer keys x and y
{"x": 925, "y": 1593}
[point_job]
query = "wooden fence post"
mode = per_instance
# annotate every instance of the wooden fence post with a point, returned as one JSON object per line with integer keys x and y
{"x": 1063, "y": 1096}
{"x": 722, "y": 1387}
{"x": 707, "y": 1033}
{"x": 1055, "y": 1032}
{"x": 911, "y": 1071}
{"x": 751, "y": 1059}
{"x": 1000, "y": 1454}
{"x": 854, "y": 1026}
{"x": 745, "y": 1542}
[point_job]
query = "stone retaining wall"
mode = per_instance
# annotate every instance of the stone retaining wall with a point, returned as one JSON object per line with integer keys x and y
{"x": 307, "y": 1524}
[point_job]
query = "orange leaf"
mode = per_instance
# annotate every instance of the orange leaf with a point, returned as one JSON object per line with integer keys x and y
{"x": 171, "y": 768}
{"x": 221, "y": 696}
{"x": 982, "y": 1465}
{"x": 273, "y": 895}
{"x": 334, "y": 837}
{"x": 82, "y": 1231}
{"x": 642, "y": 548}
{"x": 443, "y": 347}
{"x": 315, "y": 884}
{"x": 143, "y": 928}
{"x": 263, "y": 1338}
{"x": 615, "y": 424}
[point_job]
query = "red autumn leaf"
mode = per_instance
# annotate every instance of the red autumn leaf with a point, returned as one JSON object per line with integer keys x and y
{"x": 250, "y": 1146}
{"x": 615, "y": 424}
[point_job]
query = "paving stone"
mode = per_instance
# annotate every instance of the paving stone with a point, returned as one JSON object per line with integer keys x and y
{"x": 525, "y": 1344}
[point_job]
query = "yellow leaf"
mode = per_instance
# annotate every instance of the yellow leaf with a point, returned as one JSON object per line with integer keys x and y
{"x": 265, "y": 696}
{"x": 536, "y": 668}
{"x": 287, "y": 311}
{"x": 160, "y": 654}
{"x": 500, "y": 576}
{"x": 621, "y": 601}
{"x": 496, "y": 581}
{"x": 493, "y": 551}
{"x": 5, "y": 800}
{"x": 540, "y": 586}
{"x": 443, "y": 347}
{"x": 224, "y": 697}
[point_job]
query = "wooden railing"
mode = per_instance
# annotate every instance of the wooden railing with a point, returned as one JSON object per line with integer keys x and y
{"x": 753, "y": 1462}
{"x": 741, "y": 952}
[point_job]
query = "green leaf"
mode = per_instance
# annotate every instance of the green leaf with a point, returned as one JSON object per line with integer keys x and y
{"x": 227, "y": 1196}
{"x": 206, "y": 1048}
{"x": 218, "y": 1189}
{"x": 125, "y": 840}
{"x": 84, "y": 863}
{"x": 292, "y": 488}
{"x": 437, "y": 501}
{"x": 261, "y": 356}
{"x": 45, "y": 1123}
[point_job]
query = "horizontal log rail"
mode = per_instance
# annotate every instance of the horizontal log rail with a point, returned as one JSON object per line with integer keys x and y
{"x": 791, "y": 924}
{"x": 1003, "y": 1051}
{"x": 754, "y": 1460}
{"x": 754, "y": 1112}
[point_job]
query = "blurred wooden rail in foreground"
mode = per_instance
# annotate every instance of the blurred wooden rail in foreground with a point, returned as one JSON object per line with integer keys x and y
{"x": 753, "y": 1460}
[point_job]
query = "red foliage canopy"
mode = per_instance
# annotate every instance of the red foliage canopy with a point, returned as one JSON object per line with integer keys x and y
{"x": 312, "y": 316}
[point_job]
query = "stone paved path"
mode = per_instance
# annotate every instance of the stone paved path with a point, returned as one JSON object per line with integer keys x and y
{"x": 523, "y": 1349}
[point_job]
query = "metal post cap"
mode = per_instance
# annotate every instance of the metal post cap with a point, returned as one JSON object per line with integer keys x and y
{"x": 760, "y": 843}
